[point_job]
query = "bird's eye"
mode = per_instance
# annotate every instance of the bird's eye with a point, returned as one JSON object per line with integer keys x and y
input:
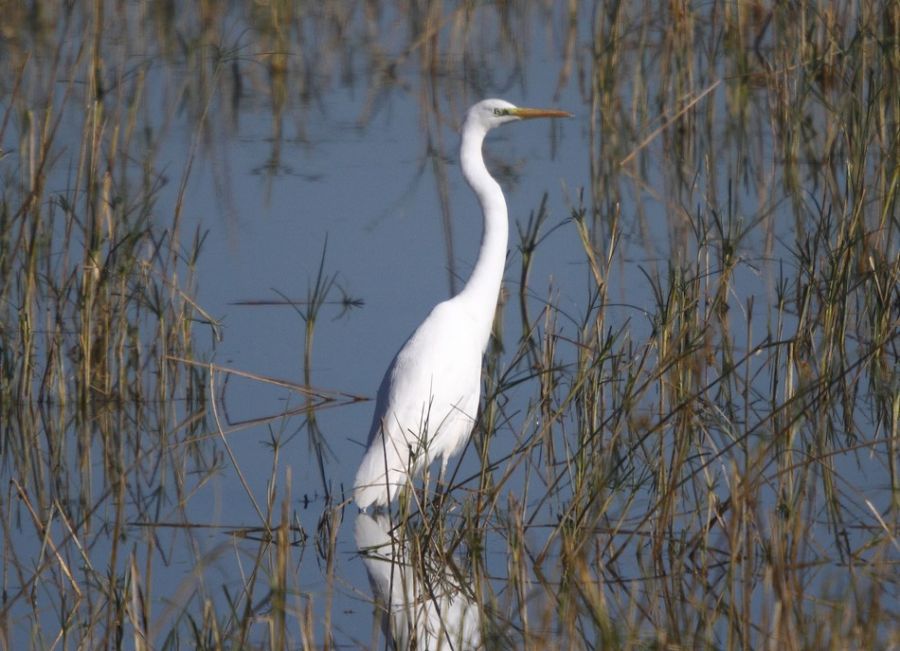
{"x": 499, "y": 112}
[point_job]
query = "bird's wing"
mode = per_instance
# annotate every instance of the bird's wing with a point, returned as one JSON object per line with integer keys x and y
{"x": 436, "y": 375}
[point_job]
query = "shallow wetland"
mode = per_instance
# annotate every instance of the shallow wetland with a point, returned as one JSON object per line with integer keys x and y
{"x": 219, "y": 221}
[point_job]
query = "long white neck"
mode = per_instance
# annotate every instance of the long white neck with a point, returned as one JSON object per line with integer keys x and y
{"x": 481, "y": 291}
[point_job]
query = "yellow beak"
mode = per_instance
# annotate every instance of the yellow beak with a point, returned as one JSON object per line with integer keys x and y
{"x": 530, "y": 113}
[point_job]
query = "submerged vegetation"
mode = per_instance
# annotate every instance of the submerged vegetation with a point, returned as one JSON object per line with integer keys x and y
{"x": 707, "y": 462}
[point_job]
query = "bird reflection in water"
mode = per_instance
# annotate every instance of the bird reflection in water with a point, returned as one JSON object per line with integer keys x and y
{"x": 422, "y": 607}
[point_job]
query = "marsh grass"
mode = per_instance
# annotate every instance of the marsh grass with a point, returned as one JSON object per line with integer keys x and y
{"x": 701, "y": 453}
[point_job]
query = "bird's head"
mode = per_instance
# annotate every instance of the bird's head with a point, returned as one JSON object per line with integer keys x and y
{"x": 490, "y": 113}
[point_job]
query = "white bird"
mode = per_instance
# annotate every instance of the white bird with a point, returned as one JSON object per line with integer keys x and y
{"x": 428, "y": 399}
{"x": 421, "y": 608}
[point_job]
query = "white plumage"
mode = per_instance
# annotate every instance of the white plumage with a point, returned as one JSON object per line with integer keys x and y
{"x": 428, "y": 399}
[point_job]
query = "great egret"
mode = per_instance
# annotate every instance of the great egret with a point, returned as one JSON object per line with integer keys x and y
{"x": 428, "y": 398}
{"x": 420, "y": 609}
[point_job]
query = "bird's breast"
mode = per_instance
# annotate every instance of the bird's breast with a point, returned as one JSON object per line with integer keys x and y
{"x": 435, "y": 380}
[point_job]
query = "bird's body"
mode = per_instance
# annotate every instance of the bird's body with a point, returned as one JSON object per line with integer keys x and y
{"x": 426, "y": 405}
{"x": 428, "y": 399}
